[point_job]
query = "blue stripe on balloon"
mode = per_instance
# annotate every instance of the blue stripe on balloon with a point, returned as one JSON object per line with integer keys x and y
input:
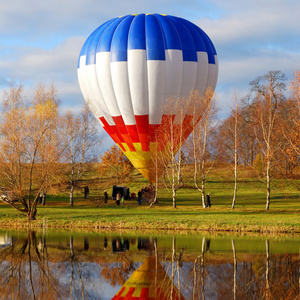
{"x": 154, "y": 39}
{"x": 137, "y": 34}
{"x": 85, "y": 47}
{"x": 83, "y": 50}
{"x": 153, "y": 33}
{"x": 170, "y": 34}
{"x": 211, "y": 51}
{"x": 120, "y": 40}
{"x": 187, "y": 42}
{"x": 199, "y": 43}
{"x": 104, "y": 44}
{"x": 93, "y": 43}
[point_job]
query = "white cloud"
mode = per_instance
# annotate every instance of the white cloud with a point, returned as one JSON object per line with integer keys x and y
{"x": 40, "y": 40}
{"x": 253, "y": 37}
{"x": 57, "y": 66}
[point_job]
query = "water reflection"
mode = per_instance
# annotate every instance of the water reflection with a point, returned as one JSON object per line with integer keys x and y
{"x": 49, "y": 265}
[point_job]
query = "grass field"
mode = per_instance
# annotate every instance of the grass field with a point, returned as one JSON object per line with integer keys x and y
{"x": 249, "y": 214}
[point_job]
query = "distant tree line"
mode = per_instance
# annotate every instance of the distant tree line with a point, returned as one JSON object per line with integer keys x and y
{"x": 39, "y": 142}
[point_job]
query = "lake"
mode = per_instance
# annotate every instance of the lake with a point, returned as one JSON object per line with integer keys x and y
{"x": 49, "y": 264}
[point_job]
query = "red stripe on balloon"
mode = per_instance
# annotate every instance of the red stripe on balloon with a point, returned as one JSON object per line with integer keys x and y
{"x": 122, "y": 129}
{"x": 142, "y": 124}
{"x": 132, "y": 130}
{"x": 144, "y": 133}
{"x": 113, "y": 133}
{"x": 130, "y": 293}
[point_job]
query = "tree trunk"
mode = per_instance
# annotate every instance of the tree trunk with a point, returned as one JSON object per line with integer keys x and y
{"x": 235, "y": 168}
{"x": 31, "y": 215}
{"x": 268, "y": 186}
{"x": 235, "y": 186}
{"x": 203, "y": 192}
{"x": 174, "y": 198}
{"x": 155, "y": 200}
{"x": 71, "y": 194}
{"x": 173, "y": 182}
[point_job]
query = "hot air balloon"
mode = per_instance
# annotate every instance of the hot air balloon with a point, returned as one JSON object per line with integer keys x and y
{"x": 128, "y": 70}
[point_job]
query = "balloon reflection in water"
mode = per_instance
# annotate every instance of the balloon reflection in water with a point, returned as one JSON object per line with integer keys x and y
{"x": 149, "y": 281}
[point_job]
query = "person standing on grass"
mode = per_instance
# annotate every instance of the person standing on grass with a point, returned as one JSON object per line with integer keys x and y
{"x": 41, "y": 197}
{"x": 208, "y": 203}
{"x": 86, "y": 192}
{"x": 139, "y": 199}
{"x": 118, "y": 198}
{"x": 105, "y": 197}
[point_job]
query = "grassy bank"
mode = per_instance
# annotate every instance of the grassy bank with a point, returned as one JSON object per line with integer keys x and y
{"x": 248, "y": 216}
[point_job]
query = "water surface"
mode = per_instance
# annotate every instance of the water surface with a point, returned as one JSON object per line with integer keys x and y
{"x": 76, "y": 265}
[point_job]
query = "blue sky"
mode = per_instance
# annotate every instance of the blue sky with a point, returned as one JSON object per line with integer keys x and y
{"x": 40, "y": 41}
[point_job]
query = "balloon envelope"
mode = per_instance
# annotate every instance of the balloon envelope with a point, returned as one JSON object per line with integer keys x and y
{"x": 137, "y": 72}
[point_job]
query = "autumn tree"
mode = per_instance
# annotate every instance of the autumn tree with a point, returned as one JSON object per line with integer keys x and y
{"x": 173, "y": 137}
{"x": 81, "y": 138}
{"x": 228, "y": 140}
{"x": 267, "y": 95}
{"x": 28, "y": 138}
{"x": 236, "y": 142}
{"x": 201, "y": 135}
{"x": 114, "y": 163}
{"x": 290, "y": 127}
{"x": 46, "y": 105}
{"x": 166, "y": 152}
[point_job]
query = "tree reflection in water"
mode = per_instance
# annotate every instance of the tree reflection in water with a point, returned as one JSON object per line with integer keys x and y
{"x": 97, "y": 266}
{"x": 25, "y": 271}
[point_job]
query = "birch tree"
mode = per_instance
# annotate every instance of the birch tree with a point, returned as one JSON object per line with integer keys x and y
{"x": 200, "y": 140}
{"x": 235, "y": 155}
{"x": 268, "y": 94}
{"x": 291, "y": 128}
{"x": 174, "y": 138}
{"x": 81, "y": 136}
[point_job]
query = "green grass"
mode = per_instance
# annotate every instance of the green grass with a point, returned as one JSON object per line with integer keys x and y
{"x": 249, "y": 214}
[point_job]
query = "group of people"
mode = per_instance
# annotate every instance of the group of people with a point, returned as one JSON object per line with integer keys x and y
{"x": 119, "y": 198}
{"x": 147, "y": 191}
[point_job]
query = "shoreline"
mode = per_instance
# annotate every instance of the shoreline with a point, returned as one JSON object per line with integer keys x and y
{"x": 185, "y": 218}
{"x": 124, "y": 226}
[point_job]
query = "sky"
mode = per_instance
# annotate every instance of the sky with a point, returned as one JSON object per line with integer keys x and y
{"x": 40, "y": 41}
